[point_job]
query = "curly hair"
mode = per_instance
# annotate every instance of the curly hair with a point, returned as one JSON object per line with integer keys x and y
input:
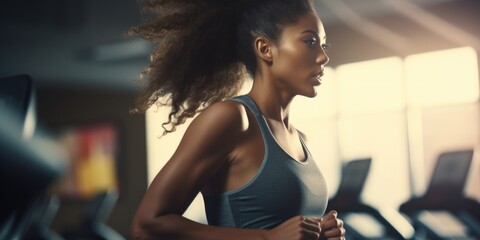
{"x": 204, "y": 49}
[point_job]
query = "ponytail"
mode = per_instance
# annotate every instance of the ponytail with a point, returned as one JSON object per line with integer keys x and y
{"x": 194, "y": 62}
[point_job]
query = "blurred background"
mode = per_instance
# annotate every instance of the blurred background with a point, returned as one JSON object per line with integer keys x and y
{"x": 400, "y": 90}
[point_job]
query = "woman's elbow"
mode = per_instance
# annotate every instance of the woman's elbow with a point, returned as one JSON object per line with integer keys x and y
{"x": 138, "y": 230}
{"x": 142, "y": 227}
{"x": 146, "y": 228}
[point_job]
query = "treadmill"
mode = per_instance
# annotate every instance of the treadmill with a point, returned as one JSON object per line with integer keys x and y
{"x": 361, "y": 221}
{"x": 29, "y": 160}
{"x": 443, "y": 212}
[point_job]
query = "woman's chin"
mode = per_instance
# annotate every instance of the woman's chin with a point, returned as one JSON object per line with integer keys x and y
{"x": 312, "y": 93}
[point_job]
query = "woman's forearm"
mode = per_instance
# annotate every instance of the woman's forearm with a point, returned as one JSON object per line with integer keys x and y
{"x": 173, "y": 227}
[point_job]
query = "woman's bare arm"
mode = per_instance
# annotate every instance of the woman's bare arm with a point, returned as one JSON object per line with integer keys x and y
{"x": 202, "y": 152}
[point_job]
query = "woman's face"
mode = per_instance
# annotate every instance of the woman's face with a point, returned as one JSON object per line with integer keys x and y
{"x": 299, "y": 56}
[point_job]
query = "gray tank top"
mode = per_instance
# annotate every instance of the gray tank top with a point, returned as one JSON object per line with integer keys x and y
{"x": 282, "y": 188}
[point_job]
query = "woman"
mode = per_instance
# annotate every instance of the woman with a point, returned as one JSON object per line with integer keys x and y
{"x": 250, "y": 164}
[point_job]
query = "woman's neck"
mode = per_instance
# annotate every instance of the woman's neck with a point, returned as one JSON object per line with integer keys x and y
{"x": 273, "y": 103}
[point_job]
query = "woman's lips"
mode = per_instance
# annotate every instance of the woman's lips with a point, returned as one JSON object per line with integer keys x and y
{"x": 317, "y": 78}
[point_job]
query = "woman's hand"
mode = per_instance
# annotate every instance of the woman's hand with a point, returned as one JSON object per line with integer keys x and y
{"x": 332, "y": 227}
{"x": 296, "y": 228}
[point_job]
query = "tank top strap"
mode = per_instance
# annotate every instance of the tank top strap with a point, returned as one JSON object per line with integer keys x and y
{"x": 252, "y": 106}
{"x": 246, "y": 100}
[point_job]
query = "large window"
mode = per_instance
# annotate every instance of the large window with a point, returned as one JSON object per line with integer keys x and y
{"x": 443, "y": 110}
{"x": 372, "y": 124}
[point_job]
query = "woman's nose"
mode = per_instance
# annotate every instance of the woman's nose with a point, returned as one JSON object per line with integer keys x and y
{"x": 322, "y": 57}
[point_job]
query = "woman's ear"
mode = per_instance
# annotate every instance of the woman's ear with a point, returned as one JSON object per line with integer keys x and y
{"x": 263, "y": 49}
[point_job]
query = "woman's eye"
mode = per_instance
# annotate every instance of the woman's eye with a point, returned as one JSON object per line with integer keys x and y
{"x": 311, "y": 42}
{"x": 326, "y": 46}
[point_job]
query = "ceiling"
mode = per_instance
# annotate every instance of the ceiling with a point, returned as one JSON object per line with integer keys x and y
{"x": 82, "y": 42}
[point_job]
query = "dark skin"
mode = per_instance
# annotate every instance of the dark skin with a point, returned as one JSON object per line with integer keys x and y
{"x": 223, "y": 147}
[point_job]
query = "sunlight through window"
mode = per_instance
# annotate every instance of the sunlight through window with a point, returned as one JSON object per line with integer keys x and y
{"x": 442, "y": 77}
{"x": 372, "y": 124}
{"x": 371, "y": 86}
{"x": 442, "y": 95}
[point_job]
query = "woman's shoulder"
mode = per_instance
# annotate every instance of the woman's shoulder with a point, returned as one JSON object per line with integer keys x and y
{"x": 229, "y": 107}
{"x": 223, "y": 118}
{"x": 228, "y": 112}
